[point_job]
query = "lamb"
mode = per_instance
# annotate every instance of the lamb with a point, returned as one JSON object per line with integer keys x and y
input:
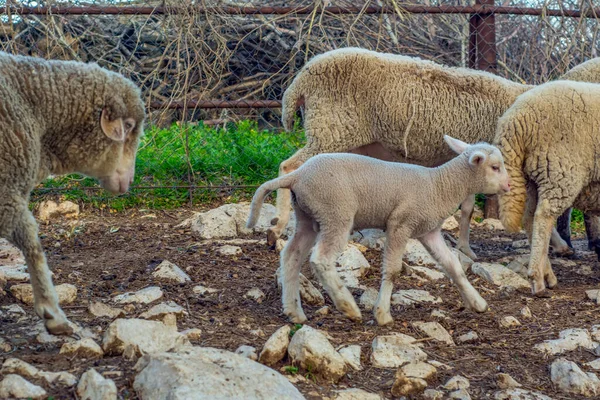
{"x": 395, "y": 108}
{"x": 549, "y": 139}
{"x": 335, "y": 193}
{"x": 60, "y": 117}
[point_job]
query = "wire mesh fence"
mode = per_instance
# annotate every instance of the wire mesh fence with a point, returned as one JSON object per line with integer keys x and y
{"x": 208, "y": 68}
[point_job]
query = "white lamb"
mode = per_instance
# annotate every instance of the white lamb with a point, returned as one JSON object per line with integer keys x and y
{"x": 335, "y": 193}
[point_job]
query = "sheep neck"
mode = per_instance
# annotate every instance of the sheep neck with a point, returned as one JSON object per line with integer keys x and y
{"x": 453, "y": 181}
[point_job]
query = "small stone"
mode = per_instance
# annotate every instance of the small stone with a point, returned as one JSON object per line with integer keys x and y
{"x": 468, "y": 337}
{"x": 520, "y": 265}
{"x": 393, "y": 351}
{"x": 229, "y": 250}
{"x": 309, "y": 293}
{"x": 202, "y": 290}
{"x": 596, "y": 332}
{"x": 129, "y": 308}
{"x": 428, "y": 273}
{"x": 355, "y": 394}
{"x": 519, "y": 394}
{"x": 142, "y": 336}
{"x": 457, "y": 382}
{"x": 594, "y": 364}
{"x": 416, "y": 254}
{"x": 276, "y": 346}
{"x": 432, "y": 394}
{"x": 405, "y": 386}
{"x": 569, "y": 340}
{"x": 255, "y": 294}
{"x": 166, "y": 271}
{"x": 368, "y": 298}
{"x": 571, "y": 379}
{"x": 509, "y": 322}
{"x": 351, "y": 265}
{"x": 439, "y": 314}
{"x": 310, "y": 348}
{"x": 322, "y": 311}
{"x": 593, "y": 295}
{"x": 49, "y": 209}
{"x": 460, "y": 394}
{"x": 505, "y": 381}
{"x": 419, "y": 370}
{"x": 4, "y": 345}
{"x": 93, "y": 386}
{"x": 14, "y": 309}
{"x": 85, "y": 348}
{"x": 499, "y": 275}
{"x": 520, "y": 244}
{"x": 14, "y": 386}
{"x": 450, "y": 224}
{"x": 492, "y": 224}
{"x": 192, "y": 334}
{"x": 143, "y": 296}
{"x": 16, "y": 366}
{"x": 435, "y": 331}
{"x": 67, "y": 293}
{"x": 280, "y": 244}
{"x": 371, "y": 238}
{"x": 159, "y": 311}
{"x": 413, "y": 296}
{"x": 14, "y": 273}
{"x": 247, "y": 351}
{"x": 526, "y": 312}
{"x": 351, "y": 355}
{"x": 438, "y": 364}
{"x": 47, "y": 338}
{"x": 100, "y": 310}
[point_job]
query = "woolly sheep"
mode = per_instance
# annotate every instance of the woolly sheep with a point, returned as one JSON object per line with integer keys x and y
{"x": 60, "y": 117}
{"x": 549, "y": 139}
{"x": 395, "y": 108}
{"x": 335, "y": 193}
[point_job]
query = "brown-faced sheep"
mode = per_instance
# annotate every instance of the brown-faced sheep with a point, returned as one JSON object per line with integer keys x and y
{"x": 395, "y": 108}
{"x": 335, "y": 193}
{"x": 60, "y": 117}
{"x": 550, "y": 141}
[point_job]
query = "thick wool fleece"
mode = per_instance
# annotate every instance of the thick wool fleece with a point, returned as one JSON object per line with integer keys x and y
{"x": 550, "y": 141}
{"x": 353, "y": 97}
{"x": 50, "y": 123}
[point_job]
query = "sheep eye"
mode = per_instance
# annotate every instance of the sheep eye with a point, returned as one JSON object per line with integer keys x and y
{"x": 128, "y": 126}
{"x": 496, "y": 168}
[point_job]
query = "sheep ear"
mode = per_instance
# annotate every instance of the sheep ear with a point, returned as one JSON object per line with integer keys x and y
{"x": 112, "y": 129}
{"x": 457, "y": 145}
{"x": 477, "y": 158}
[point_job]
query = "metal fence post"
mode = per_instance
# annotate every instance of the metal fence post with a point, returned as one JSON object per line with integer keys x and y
{"x": 482, "y": 56}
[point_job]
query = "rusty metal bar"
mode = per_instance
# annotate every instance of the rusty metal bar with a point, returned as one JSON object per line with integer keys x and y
{"x": 482, "y": 40}
{"x": 187, "y": 187}
{"x": 408, "y": 8}
{"x": 192, "y": 104}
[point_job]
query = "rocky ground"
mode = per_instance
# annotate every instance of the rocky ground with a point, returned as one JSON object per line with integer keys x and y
{"x": 157, "y": 301}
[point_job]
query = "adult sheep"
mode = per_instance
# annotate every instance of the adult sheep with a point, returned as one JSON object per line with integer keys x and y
{"x": 550, "y": 142}
{"x": 60, "y": 117}
{"x": 396, "y": 108}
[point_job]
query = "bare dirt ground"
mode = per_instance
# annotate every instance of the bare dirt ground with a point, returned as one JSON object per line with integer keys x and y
{"x": 103, "y": 261}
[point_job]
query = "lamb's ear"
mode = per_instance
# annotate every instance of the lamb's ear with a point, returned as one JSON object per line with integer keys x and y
{"x": 112, "y": 129}
{"x": 477, "y": 158}
{"x": 457, "y": 145}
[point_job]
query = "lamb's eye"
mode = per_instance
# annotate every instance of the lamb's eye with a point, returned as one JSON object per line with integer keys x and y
{"x": 496, "y": 168}
{"x": 128, "y": 126}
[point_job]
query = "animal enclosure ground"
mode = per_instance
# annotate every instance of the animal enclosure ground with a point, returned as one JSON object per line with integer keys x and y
{"x": 114, "y": 253}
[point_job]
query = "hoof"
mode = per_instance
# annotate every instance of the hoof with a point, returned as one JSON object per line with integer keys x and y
{"x": 551, "y": 281}
{"x": 542, "y": 294}
{"x": 383, "y": 320}
{"x": 297, "y": 318}
{"x": 466, "y": 250}
{"x": 567, "y": 252}
{"x": 272, "y": 237}
{"x": 58, "y": 327}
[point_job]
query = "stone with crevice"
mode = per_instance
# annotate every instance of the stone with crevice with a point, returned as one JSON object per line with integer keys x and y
{"x": 569, "y": 378}
{"x": 143, "y": 296}
{"x": 276, "y": 346}
{"x": 15, "y": 386}
{"x": 93, "y": 386}
{"x": 499, "y": 275}
{"x": 393, "y": 351}
{"x": 414, "y": 296}
{"x": 569, "y": 340}
{"x": 166, "y": 271}
{"x": 435, "y": 331}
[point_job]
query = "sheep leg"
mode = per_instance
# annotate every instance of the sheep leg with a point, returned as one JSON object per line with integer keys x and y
{"x": 330, "y": 244}
{"x": 539, "y": 264}
{"x": 592, "y": 228}
{"x": 466, "y": 212}
{"x": 293, "y": 256}
{"x": 25, "y": 236}
{"x": 284, "y": 196}
{"x": 560, "y": 240}
{"x": 391, "y": 267}
{"x": 435, "y": 245}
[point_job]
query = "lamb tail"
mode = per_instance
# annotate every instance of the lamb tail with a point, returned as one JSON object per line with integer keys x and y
{"x": 292, "y": 99}
{"x": 285, "y": 181}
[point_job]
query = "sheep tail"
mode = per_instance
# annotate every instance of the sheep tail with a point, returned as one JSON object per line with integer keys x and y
{"x": 293, "y": 98}
{"x": 285, "y": 181}
{"x": 512, "y": 204}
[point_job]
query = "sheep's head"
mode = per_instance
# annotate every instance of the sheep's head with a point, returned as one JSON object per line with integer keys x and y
{"x": 487, "y": 164}
{"x": 118, "y": 126}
